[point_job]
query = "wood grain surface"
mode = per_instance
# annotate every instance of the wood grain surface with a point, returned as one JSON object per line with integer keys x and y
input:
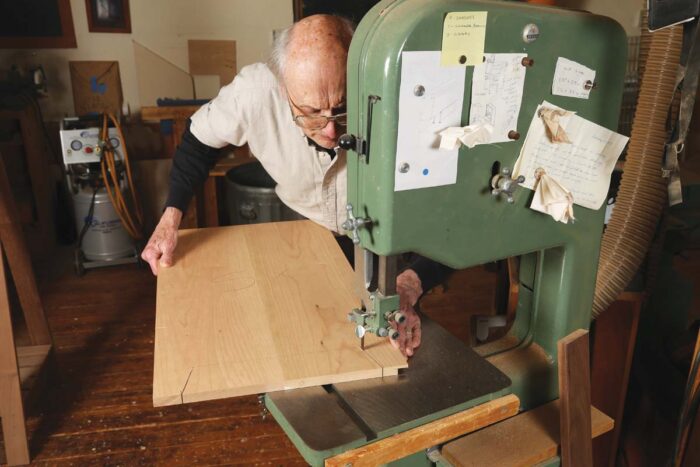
{"x": 257, "y": 308}
{"x": 431, "y": 434}
{"x": 14, "y": 432}
{"x": 575, "y": 397}
{"x": 524, "y": 440}
{"x": 612, "y": 348}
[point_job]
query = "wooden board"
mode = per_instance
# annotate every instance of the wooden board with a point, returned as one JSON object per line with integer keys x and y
{"x": 575, "y": 396}
{"x": 431, "y": 434}
{"x": 257, "y": 308}
{"x": 13, "y": 429}
{"x": 524, "y": 440}
{"x": 96, "y": 86}
{"x": 213, "y": 58}
{"x": 612, "y": 348}
{"x": 20, "y": 264}
{"x": 158, "y": 77}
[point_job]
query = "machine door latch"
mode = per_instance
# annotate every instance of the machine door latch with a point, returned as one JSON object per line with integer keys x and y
{"x": 353, "y": 224}
{"x": 504, "y": 185}
{"x": 353, "y": 143}
{"x": 357, "y": 143}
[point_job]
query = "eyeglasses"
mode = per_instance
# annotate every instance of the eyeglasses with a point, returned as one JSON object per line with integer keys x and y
{"x": 317, "y": 122}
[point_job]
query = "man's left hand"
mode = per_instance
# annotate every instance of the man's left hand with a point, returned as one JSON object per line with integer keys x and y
{"x": 408, "y": 286}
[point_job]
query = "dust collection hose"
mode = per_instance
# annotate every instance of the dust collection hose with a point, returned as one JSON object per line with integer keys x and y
{"x": 132, "y": 218}
{"x": 642, "y": 193}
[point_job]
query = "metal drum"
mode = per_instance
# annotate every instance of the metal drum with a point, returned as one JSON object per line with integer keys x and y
{"x": 251, "y": 197}
{"x": 105, "y": 239}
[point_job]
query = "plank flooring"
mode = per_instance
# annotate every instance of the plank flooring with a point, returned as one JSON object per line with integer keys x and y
{"x": 98, "y": 409}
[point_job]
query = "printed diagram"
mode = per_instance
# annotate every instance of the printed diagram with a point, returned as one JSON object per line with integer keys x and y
{"x": 438, "y": 106}
{"x": 431, "y": 99}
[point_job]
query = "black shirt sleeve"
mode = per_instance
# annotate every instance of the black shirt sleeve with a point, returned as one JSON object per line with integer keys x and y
{"x": 430, "y": 273}
{"x": 191, "y": 164}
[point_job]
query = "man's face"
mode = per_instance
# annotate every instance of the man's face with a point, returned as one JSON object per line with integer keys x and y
{"x": 316, "y": 89}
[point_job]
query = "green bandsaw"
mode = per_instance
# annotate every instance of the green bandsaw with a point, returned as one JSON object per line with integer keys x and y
{"x": 460, "y": 224}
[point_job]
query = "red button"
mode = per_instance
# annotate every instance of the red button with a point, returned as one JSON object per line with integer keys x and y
{"x": 88, "y": 149}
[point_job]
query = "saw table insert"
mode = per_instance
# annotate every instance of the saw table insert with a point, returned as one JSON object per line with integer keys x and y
{"x": 257, "y": 308}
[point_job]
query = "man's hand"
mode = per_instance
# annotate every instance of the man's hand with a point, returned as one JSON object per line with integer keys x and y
{"x": 161, "y": 245}
{"x": 409, "y": 288}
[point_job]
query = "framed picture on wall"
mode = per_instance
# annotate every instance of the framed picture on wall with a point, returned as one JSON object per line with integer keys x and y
{"x": 108, "y": 16}
{"x": 36, "y": 24}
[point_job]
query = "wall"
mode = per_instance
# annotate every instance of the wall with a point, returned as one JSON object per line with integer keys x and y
{"x": 625, "y": 12}
{"x": 163, "y": 26}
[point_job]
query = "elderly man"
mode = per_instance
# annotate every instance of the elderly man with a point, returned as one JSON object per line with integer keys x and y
{"x": 290, "y": 113}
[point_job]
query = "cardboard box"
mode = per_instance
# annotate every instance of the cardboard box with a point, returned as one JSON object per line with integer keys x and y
{"x": 96, "y": 86}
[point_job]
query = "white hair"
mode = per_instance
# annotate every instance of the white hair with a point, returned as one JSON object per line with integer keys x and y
{"x": 278, "y": 56}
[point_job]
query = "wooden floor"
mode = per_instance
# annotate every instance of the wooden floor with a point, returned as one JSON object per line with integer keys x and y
{"x": 98, "y": 407}
{"x": 98, "y": 410}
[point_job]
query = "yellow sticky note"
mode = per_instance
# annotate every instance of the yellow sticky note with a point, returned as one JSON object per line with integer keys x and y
{"x": 463, "y": 37}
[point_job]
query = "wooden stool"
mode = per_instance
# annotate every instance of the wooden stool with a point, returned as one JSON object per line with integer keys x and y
{"x": 22, "y": 364}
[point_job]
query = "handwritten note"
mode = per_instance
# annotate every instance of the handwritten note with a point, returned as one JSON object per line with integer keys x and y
{"x": 570, "y": 79}
{"x": 497, "y": 91}
{"x": 463, "y": 37}
{"x": 583, "y": 166}
{"x": 430, "y": 100}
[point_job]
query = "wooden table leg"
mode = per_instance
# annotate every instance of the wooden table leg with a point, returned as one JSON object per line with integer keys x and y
{"x": 11, "y": 409}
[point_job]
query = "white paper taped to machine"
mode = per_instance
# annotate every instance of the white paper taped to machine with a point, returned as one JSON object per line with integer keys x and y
{"x": 430, "y": 99}
{"x": 453, "y": 137}
{"x": 583, "y": 165}
{"x": 497, "y": 93}
{"x": 572, "y": 79}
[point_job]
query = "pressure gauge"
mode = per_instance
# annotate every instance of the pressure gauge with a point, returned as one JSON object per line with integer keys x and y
{"x": 76, "y": 145}
{"x": 114, "y": 142}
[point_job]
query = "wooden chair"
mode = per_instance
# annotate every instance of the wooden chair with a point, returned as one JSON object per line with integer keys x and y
{"x": 17, "y": 365}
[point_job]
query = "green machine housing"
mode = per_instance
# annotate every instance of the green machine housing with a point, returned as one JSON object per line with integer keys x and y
{"x": 462, "y": 224}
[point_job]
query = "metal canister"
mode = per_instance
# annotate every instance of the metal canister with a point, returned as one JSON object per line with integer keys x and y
{"x": 251, "y": 197}
{"x": 105, "y": 239}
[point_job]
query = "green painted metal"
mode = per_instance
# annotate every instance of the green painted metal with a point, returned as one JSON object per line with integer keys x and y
{"x": 377, "y": 318}
{"x": 418, "y": 459}
{"x": 462, "y": 225}
{"x": 317, "y": 458}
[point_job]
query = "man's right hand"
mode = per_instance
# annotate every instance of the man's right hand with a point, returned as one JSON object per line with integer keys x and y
{"x": 160, "y": 247}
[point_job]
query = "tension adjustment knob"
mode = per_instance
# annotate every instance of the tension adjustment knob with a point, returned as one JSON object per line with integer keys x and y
{"x": 505, "y": 185}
